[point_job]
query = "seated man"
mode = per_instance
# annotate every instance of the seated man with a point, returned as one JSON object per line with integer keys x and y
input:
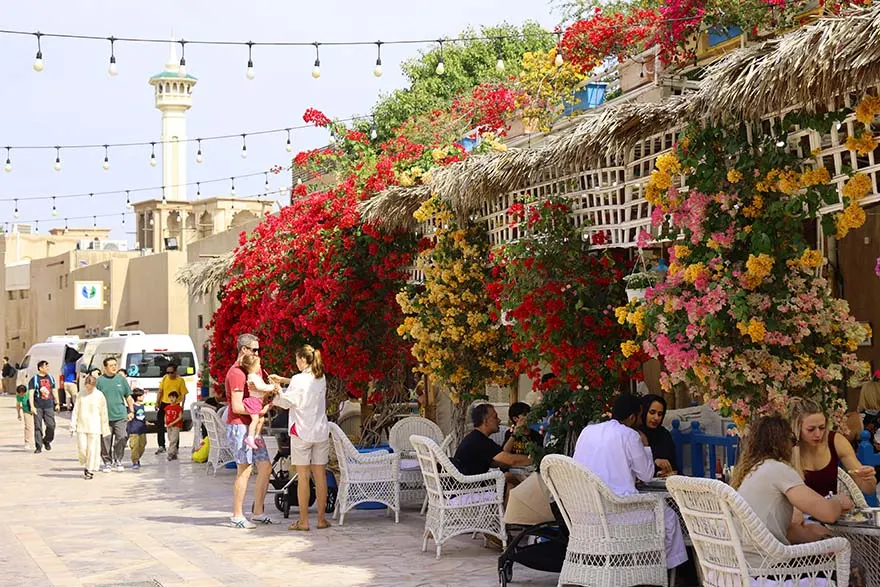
{"x": 618, "y": 453}
{"x": 478, "y": 453}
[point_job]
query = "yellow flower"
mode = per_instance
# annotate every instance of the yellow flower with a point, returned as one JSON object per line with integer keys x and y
{"x": 863, "y": 144}
{"x": 621, "y": 313}
{"x": 852, "y": 217}
{"x": 747, "y": 229}
{"x": 789, "y": 182}
{"x": 713, "y": 244}
{"x": 734, "y": 176}
{"x": 753, "y": 210}
{"x": 759, "y": 266}
{"x": 867, "y": 109}
{"x": 668, "y": 163}
{"x": 757, "y": 330}
{"x": 818, "y": 176}
{"x": 438, "y": 154}
{"x": 405, "y": 179}
{"x": 629, "y": 348}
{"x": 693, "y": 272}
{"x": 681, "y": 251}
{"x": 858, "y": 186}
{"x": 812, "y": 258}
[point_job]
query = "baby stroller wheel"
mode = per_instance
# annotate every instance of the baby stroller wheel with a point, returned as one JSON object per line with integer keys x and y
{"x": 505, "y": 573}
{"x": 281, "y": 501}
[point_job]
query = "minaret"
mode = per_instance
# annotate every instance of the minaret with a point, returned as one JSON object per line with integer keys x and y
{"x": 173, "y": 98}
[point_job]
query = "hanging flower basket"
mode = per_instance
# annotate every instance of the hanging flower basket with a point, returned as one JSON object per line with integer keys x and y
{"x": 635, "y": 294}
{"x": 638, "y": 283}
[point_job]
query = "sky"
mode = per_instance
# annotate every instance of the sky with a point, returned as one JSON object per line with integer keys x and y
{"x": 74, "y": 100}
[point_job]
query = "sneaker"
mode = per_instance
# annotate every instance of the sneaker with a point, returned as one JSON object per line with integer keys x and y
{"x": 106, "y": 469}
{"x": 38, "y": 451}
{"x": 136, "y": 466}
{"x": 242, "y": 523}
{"x": 262, "y": 519}
{"x": 119, "y": 468}
{"x": 161, "y": 450}
{"x": 47, "y": 446}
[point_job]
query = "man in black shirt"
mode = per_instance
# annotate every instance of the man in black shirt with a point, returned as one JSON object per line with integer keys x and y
{"x": 477, "y": 453}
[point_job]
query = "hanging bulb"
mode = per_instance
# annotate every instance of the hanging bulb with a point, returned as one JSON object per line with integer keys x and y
{"x": 374, "y": 134}
{"x": 316, "y": 70}
{"x": 57, "y": 159}
{"x": 232, "y": 189}
{"x": 199, "y": 157}
{"x": 123, "y": 217}
{"x": 499, "y": 64}
{"x": 112, "y": 71}
{"x": 198, "y": 189}
{"x": 106, "y": 164}
{"x": 249, "y": 73}
{"x": 559, "y": 59}
{"x": 94, "y": 222}
{"x": 8, "y": 166}
{"x": 243, "y": 147}
{"x": 289, "y": 145}
{"x": 164, "y": 201}
{"x": 267, "y": 182}
{"x": 378, "y": 71}
{"x": 441, "y": 67}
{"x": 153, "y": 155}
{"x": 16, "y": 213}
{"x": 127, "y": 199}
{"x": 54, "y": 209}
{"x": 38, "y": 60}
{"x": 181, "y": 71}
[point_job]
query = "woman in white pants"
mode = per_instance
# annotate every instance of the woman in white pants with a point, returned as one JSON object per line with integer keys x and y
{"x": 89, "y": 423}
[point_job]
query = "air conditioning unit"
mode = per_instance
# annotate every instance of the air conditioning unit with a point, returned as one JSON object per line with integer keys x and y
{"x": 99, "y": 245}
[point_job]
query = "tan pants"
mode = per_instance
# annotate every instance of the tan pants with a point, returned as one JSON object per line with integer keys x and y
{"x": 137, "y": 442}
{"x": 28, "y": 420}
{"x": 70, "y": 391}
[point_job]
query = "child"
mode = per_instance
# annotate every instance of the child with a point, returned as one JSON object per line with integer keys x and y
{"x": 22, "y": 406}
{"x": 173, "y": 423}
{"x": 520, "y": 435}
{"x": 90, "y": 423}
{"x": 137, "y": 428}
{"x": 259, "y": 399}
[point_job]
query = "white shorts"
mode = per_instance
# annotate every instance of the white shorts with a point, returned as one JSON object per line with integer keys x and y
{"x": 309, "y": 453}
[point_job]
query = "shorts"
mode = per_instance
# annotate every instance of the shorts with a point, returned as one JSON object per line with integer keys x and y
{"x": 309, "y": 453}
{"x": 245, "y": 455}
{"x": 254, "y": 405}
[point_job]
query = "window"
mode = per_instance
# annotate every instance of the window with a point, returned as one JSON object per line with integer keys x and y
{"x": 23, "y": 294}
{"x": 153, "y": 364}
{"x": 50, "y": 297}
{"x": 60, "y": 281}
{"x": 10, "y": 295}
{"x": 201, "y": 321}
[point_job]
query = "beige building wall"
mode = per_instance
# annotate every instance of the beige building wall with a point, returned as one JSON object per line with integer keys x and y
{"x": 150, "y": 298}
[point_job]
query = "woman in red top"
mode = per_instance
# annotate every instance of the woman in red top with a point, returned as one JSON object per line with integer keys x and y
{"x": 819, "y": 451}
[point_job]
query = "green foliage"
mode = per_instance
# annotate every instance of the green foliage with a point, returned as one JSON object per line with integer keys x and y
{"x": 468, "y": 64}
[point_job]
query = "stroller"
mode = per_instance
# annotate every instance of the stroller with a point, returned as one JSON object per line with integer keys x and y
{"x": 541, "y": 547}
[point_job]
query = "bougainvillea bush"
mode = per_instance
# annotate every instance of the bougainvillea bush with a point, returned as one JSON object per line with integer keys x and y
{"x": 557, "y": 298}
{"x": 744, "y": 318}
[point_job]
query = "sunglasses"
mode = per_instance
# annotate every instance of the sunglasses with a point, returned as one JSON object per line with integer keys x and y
{"x": 255, "y": 350}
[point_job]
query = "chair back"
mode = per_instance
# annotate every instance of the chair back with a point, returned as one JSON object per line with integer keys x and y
{"x": 723, "y": 527}
{"x": 399, "y": 435}
{"x": 698, "y": 452}
{"x": 431, "y": 464}
{"x": 215, "y": 428}
{"x": 847, "y": 486}
{"x": 344, "y": 449}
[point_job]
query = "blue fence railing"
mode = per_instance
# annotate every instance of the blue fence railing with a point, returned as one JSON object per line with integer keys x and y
{"x": 704, "y": 449}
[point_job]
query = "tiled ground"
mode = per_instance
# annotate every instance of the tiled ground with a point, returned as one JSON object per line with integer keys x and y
{"x": 165, "y": 526}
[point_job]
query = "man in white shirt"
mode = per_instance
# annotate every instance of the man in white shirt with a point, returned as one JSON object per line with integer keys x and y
{"x": 619, "y": 454}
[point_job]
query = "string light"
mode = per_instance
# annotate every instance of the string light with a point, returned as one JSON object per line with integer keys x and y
{"x": 57, "y": 158}
{"x": 153, "y": 155}
{"x": 106, "y": 164}
{"x": 123, "y": 217}
{"x": 232, "y": 189}
{"x": 112, "y": 70}
{"x": 249, "y": 73}
{"x": 127, "y": 199}
{"x": 243, "y": 146}
{"x": 65, "y": 224}
{"x": 181, "y": 71}
{"x": 54, "y": 209}
{"x": 8, "y": 166}
{"x": 441, "y": 67}
{"x": 559, "y": 59}
{"x": 316, "y": 70}
{"x": 289, "y": 145}
{"x": 267, "y": 181}
{"x": 36, "y": 226}
{"x": 374, "y": 134}
{"x": 199, "y": 157}
{"x": 164, "y": 201}
{"x": 198, "y": 189}
{"x": 94, "y": 222}
{"x": 16, "y": 214}
{"x": 499, "y": 64}
{"x": 38, "y": 60}
{"x": 378, "y": 71}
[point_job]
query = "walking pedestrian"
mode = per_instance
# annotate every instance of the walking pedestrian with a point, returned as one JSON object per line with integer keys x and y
{"x": 23, "y": 409}
{"x": 173, "y": 423}
{"x": 8, "y": 377}
{"x": 170, "y": 382}
{"x": 89, "y": 423}
{"x": 238, "y": 418}
{"x": 68, "y": 383}
{"x": 117, "y": 394}
{"x": 137, "y": 428}
{"x": 43, "y": 396}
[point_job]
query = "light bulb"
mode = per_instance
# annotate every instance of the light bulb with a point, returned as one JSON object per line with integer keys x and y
{"x": 499, "y": 65}
{"x": 288, "y": 147}
{"x": 559, "y": 59}
{"x": 250, "y": 71}
{"x": 316, "y": 70}
{"x": 244, "y": 152}
{"x": 374, "y": 134}
{"x": 153, "y": 160}
{"x": 112, "y": 70}
{"x": 106, "y": 164}
{"x": 181, "y": 72}
{"x": 38, "y": 62}
{"x": 199, "y": 157}
{"x": 8, "y": 166}
{"x": 16, "y": 213}
{"x": 57, "y": 164}
{"x": 441, "y": 68}
{"x": 378, "y": 71}
{"x": 54, "y": 211}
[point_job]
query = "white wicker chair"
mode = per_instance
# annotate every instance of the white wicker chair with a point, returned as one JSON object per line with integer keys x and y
{"x": 447, "y": 449}
{"x": 219, "y": 451}
{"x": 613, "y": 540}
{"x": 458, "y": 504}
{"x": 412, "y": 486}
{"x": 734, "y": 546}
{"x": 847, "y": 486}
{"x": 365, "y": 477}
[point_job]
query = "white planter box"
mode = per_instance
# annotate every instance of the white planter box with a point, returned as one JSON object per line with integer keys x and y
{"x": 635, "y": 294}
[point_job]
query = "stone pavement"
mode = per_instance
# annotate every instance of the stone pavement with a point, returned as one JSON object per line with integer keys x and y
{"x": 165, "y": 526}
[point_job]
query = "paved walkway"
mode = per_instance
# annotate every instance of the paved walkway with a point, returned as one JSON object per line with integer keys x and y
{"x": 164, "y": 526}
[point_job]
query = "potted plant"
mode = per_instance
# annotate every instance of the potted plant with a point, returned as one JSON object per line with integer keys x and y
{"x": 638, "y": 283}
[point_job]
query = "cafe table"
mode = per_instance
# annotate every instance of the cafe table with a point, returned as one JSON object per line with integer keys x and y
{"x": 864, "y": 538}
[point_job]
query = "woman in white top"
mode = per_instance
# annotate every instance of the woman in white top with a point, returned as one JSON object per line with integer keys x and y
{"x": 306, "y": 398}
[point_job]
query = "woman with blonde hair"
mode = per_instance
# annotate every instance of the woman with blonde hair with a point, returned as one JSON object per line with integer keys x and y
{"x": 306, "y": 398}
{"x": 818, "y": 450}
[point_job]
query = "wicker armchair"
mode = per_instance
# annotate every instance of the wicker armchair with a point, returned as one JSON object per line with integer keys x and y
{"x": 613, "y": 540}
{"x": 368, "y": 477}
{"x": 412, "y": 486}
{"x": 219, "y": 451}
{"x": 847, "y": 486}
{"x": 734, "y": 546}
{"x": 458, "y": 504}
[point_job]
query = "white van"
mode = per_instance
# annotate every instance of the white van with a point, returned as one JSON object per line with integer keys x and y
{"x": 54, "y": 353}
{"x": 87, "y": 348}
{"x": 144, "y": 359}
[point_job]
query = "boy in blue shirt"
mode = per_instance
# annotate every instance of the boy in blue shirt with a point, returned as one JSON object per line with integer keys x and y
{"x": 137, "y": 428}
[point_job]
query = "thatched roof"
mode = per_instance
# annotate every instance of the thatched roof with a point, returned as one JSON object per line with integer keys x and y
{"x": 806, "y": 67}
{"x": 206, "y": 276}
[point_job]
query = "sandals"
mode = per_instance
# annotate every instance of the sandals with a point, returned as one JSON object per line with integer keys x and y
{"x": 324, "y": 526}
{"x": 295, "y": 527}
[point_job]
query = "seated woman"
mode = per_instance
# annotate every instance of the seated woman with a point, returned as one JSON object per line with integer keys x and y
{"x": 767, "y": 481}
{"x": 818, "y": 451}
{"x": 659, "y": 438}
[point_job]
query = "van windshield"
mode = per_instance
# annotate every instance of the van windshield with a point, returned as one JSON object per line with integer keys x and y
{"x": 154, "y": 364}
